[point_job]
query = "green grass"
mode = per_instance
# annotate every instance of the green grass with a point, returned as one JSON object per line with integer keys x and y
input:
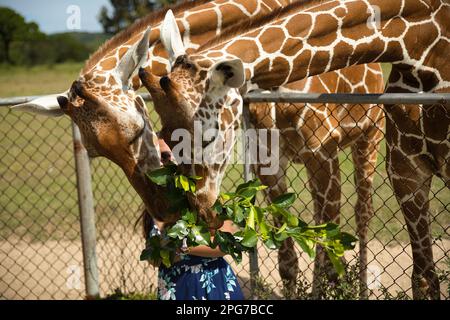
{"x": 38, "y": 198}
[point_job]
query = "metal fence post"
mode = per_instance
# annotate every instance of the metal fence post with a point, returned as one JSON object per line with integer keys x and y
{"x": 253, "y": 254}
{"x": 87, "y": 215}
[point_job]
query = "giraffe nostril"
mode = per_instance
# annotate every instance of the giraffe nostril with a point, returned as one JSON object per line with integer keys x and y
{"x": 141, "y": 73}
{"x": 164, "y": 83}
{"x": 166, "y": 156}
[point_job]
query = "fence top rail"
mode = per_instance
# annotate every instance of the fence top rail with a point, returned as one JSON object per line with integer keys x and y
{"x": 384, "y": 98}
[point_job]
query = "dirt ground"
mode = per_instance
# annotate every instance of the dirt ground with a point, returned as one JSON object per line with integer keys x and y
{"x": 54, "y": 269}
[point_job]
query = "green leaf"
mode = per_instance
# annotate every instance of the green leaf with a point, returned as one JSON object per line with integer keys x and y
{"x": 179, "y": 230}
{"x": 160, "y": 176}
{"x": 238, "y": 214}
{"x": 270, "y": 244}
{"x": 146, "y": 254}
{"x": 201, "y": 235}
{"x": 348, "y": 241}
{"x": 282, "y": 228}
{"x": 165, "y": 258}
{"x": 263, "y": 227}
{"x": 306, "y": 244}
{"x": 337, "y": 263}
{"x": 192, "y": 186}
{"x": 292, "y": 220}
{"x": 251, "y": 217}
{"x": 281, "y": 236}
{"x": 182, "y": 182}
{"x": 249, "y": 189}
{"x": 284, "y": 200}
{"x": 189, "y": 216}
{"x": 250, "y": 238}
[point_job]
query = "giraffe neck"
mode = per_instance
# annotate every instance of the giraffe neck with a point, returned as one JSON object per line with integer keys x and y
{"x": 330, "y": 35}
{"x": 197, "y": 24}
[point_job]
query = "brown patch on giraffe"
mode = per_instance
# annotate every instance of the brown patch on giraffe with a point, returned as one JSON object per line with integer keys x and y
{"x": 340, "y": 12}
{"x": 367, "y": 51}
{"x": 321, "y": 36}
{"x": 439, "y": 59}
{"x": 203, "y": 20}
{"x": 122, "y": 51}
{"x": 247, "y": 50}
{"x": 229, "y": 10}
{"x": 429, "y": 79}
{"x": 88, "y": 76}
{"x": 226, "y": 119}
{"x": 281, "y": 69}
{"x": 213, "y": 54}
{"x": 99, "y": 79}
{"x": 112, "y": 82}
{"x": 342, "y": 49}
{"x": 109, "y": 63}
{"x": 302, "y": 60}
{"x": 393, "y": 28}
{"x": 158, "y": 68}
{"x": 292, "y": 47}
{"x": 247, "y": 73}
{"x": 415, "y": 40}
{"x": 272, "y": 39}
{"x": 411, "y": 145}
{"x": 320, "y": 61}
{"x": 394, "y": 49}
{"x": 299, "y": 22}
{"x": 436, "y": 117}
{"x": 251, "y": 6}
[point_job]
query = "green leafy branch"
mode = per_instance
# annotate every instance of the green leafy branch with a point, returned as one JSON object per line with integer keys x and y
{"x": 255, "y": 223}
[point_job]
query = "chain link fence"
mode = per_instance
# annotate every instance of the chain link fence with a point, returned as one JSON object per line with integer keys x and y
{"x": 40, "y": 248}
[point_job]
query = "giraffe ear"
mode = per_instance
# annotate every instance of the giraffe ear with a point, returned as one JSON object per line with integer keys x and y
{"x": 133, "y": 59}
{"x": 47, "y": 106}
{"x": 171, "y": 37}
{"x": 230, "y": 73}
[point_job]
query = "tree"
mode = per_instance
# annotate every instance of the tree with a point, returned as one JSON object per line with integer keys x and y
{"x": 14, "y": 28}
{"x": 125, "y": 12}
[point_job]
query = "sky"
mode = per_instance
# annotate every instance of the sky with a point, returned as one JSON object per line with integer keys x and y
{"x": 54, "y": 16}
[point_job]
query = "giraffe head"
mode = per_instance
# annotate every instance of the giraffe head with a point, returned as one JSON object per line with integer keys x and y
{"x": 113, "y": 121}
{"x": 203, "y": 102}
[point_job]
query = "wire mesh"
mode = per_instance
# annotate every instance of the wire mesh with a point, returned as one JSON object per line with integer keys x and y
{"x": 40, "y": 248}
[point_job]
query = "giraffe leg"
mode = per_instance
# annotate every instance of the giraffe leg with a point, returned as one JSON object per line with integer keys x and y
{"x": 411, "y": 187}
{"x": 325, "y": 184}
{"x": 364, "y": 154}
{"x": 287, "y": 256}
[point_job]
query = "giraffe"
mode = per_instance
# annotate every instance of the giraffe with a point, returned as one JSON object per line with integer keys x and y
{"x": 356, "y": 79}
{"x": 313, "y": 37}
{"x": 313, "y": 134}
{"x": 103, "y": 102}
